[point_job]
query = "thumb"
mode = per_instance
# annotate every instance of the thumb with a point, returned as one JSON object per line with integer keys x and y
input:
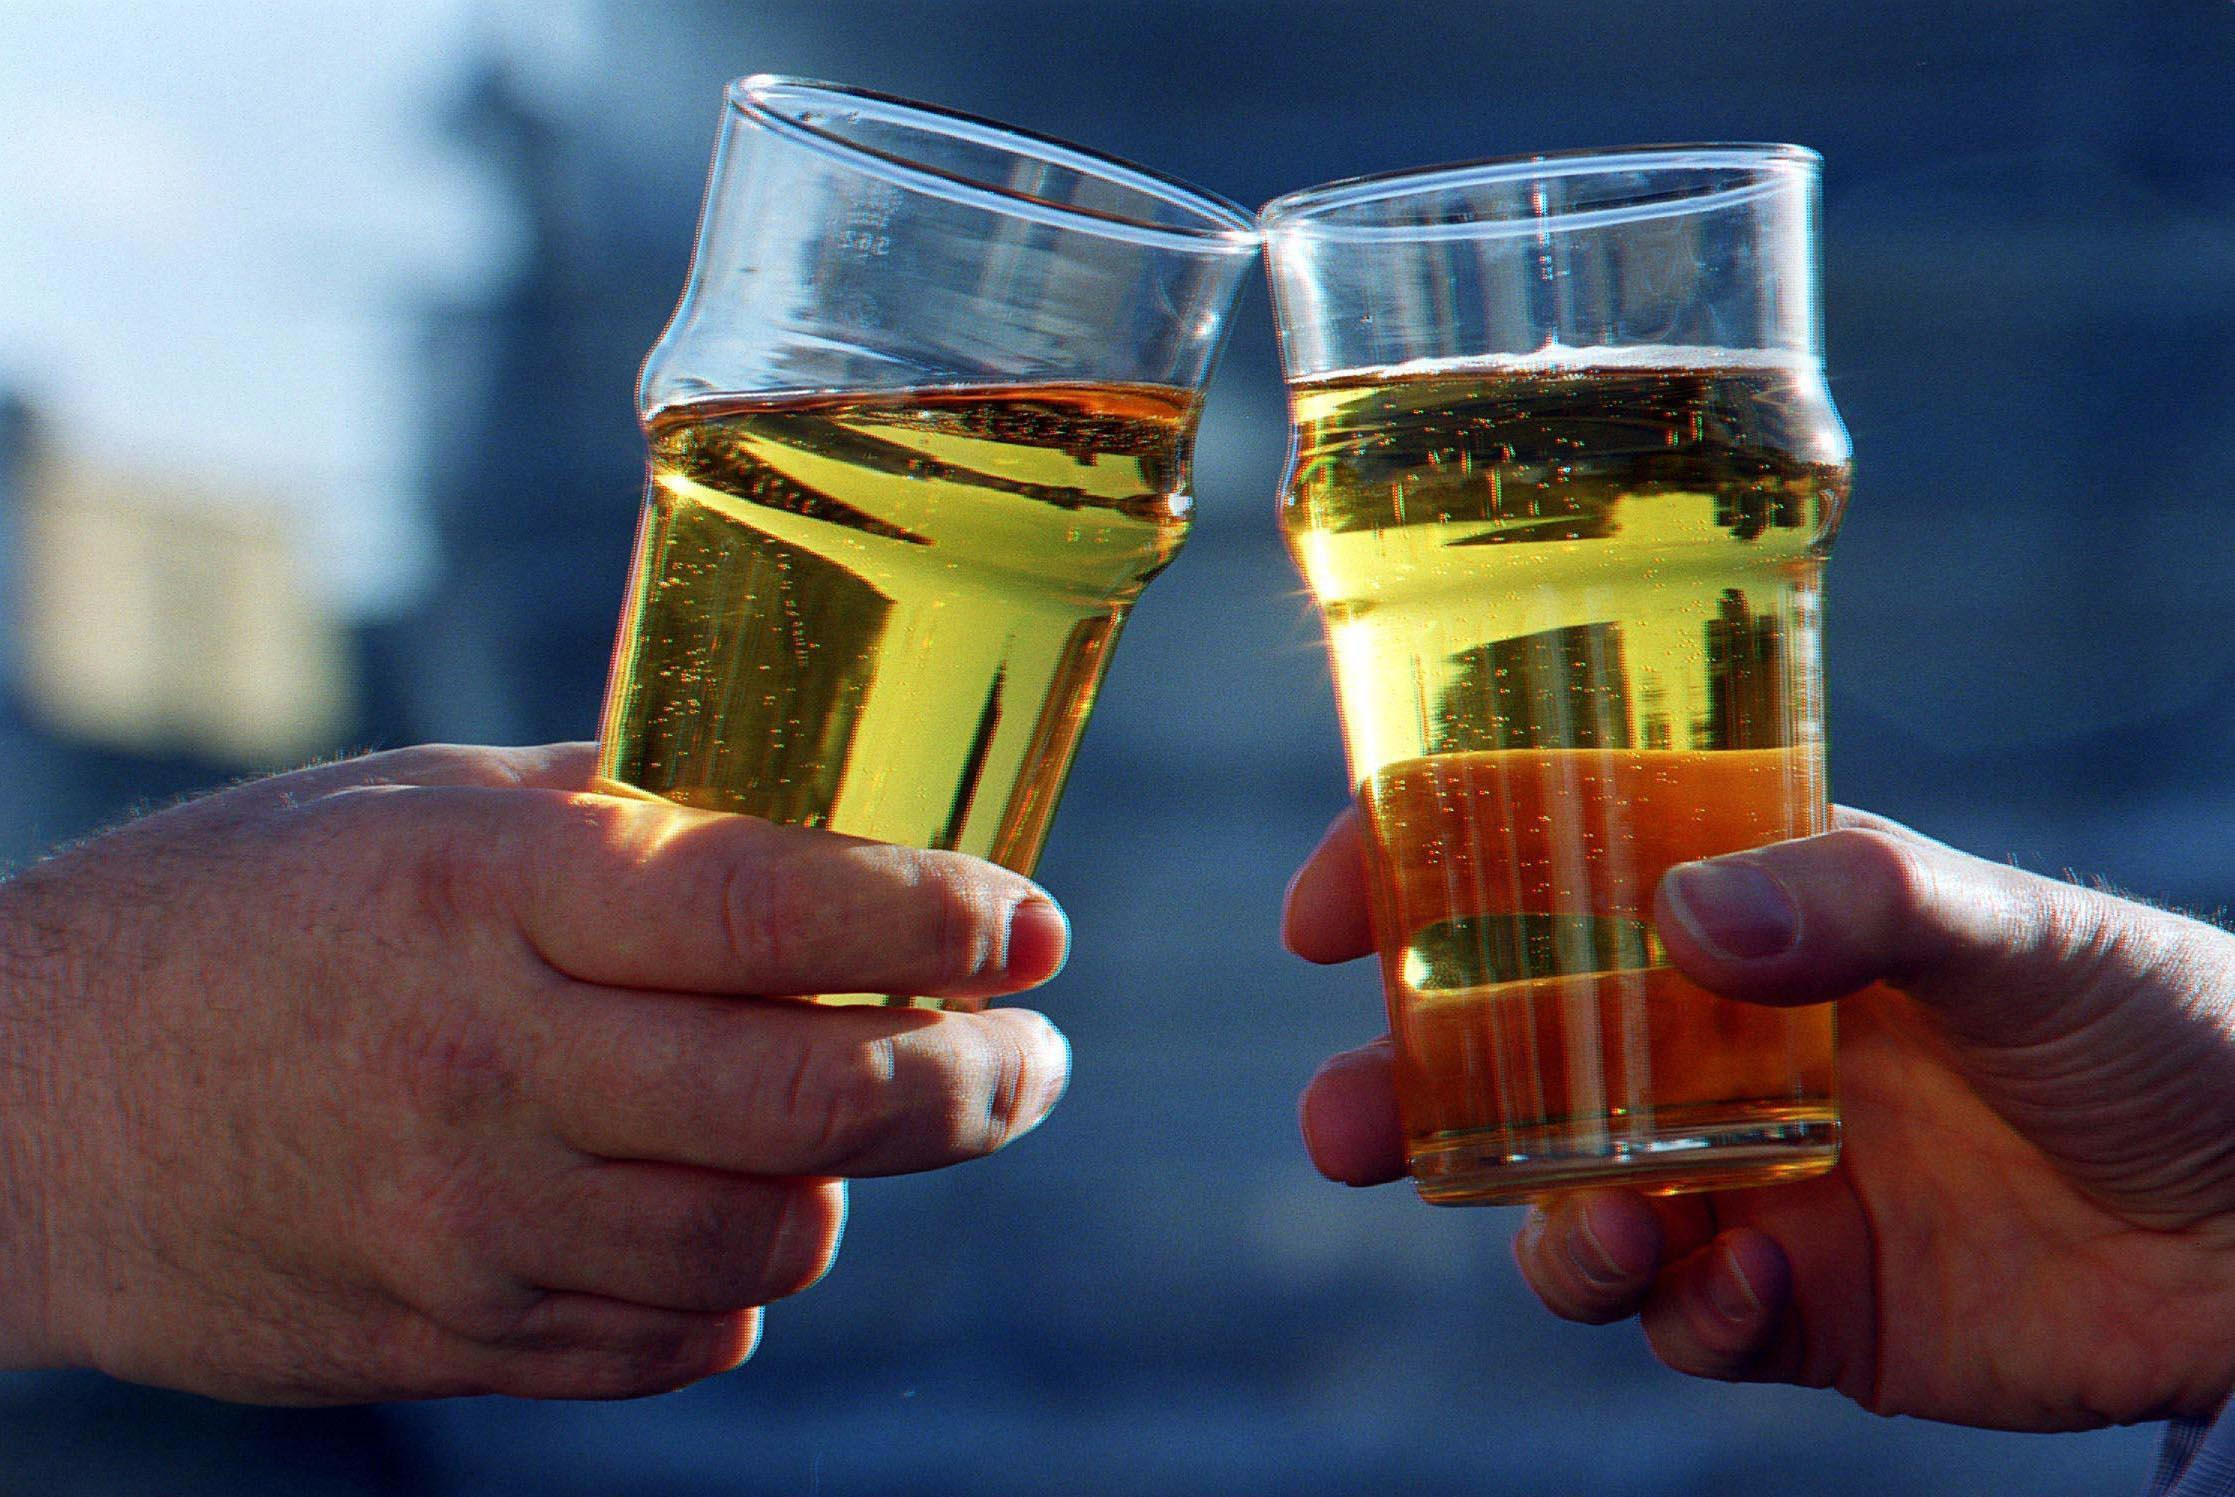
{"x": 2102, "y": 1028}
{"x": 2003, "y": 956}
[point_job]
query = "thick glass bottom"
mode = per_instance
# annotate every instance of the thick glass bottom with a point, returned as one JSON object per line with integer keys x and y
{"x": 1722, "y": 1147}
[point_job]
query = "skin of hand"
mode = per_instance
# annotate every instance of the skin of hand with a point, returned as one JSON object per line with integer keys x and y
{"x": 2032, "y": 1225}
{"x": 435, "y": 1073}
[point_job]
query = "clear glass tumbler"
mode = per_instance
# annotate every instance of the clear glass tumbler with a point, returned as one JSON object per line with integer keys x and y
{"x": 919, "y": 434}
{"x": 1565, "y": 475}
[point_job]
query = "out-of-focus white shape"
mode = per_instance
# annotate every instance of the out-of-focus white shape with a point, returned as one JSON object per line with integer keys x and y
{"x": 223, "y": 224}
{"x": 156, "y": 618}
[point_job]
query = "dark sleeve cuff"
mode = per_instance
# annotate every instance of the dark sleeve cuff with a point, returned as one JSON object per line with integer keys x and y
{"x": 2196, "y": 1458}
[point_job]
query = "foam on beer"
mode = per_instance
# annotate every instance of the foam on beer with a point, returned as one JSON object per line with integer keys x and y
{"x": 1559, "y": 358}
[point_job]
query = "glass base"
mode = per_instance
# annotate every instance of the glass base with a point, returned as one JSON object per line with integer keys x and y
{"x": 1724, "y": 1147}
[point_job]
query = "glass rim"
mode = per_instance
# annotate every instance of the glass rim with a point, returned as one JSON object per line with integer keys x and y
{"x": 1220, "y": 226}
{"x": 1311, "y": 211}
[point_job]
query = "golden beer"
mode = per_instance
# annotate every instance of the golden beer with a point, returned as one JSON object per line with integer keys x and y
{"x": 888, "y": 614}
{"x": 1572, "y": 609}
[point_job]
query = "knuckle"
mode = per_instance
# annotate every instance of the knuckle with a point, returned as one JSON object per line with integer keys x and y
{"x": 842, "y": 1097}
{"x": 1896, "y": 877}
{"x": 448, "y": 882}
{"x": 453, "y": 1278}
{"x": 1892, "y": 865}
{"x": 948, "y": 913}
{"x": 452, "y": 1064}
{"x": 881, "y": 910}
{"x": 761, "y": 906}
{"x": 980, "y": 1102}
{"x": 962, "y": 932}
{"x": 941, "y": 1102}
{"x": 2079, "y": 925}
{"x": 459, "y": 1291}
{"x": 1959, "y": 912}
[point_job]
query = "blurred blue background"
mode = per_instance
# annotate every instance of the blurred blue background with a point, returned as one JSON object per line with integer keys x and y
{"x": 318, "y": 325}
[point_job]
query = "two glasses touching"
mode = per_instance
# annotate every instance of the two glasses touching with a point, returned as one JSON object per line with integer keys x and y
{"x": 1563, "y": 479}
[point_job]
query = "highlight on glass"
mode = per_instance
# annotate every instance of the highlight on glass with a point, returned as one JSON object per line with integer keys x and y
{"x": 920, "y": 432}
{"x": 1565, "y": 477}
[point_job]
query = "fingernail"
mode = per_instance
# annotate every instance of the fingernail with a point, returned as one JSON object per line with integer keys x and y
{"x": 1039, "y": 940}
{"x": 1587, "y": 1253}
{"x": 1733, "y": 909}
{"x": 1730, "y": 1294}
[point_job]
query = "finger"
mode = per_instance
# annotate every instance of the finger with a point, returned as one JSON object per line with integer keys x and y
{"x": 1719, "y": 1312}
{"x": 1323, "y": 918}
{"x": 1348, "y": 1115}
{"x": 788, "y": 1089}
{"x": 1592, "y": 1256}
{"x": 674, "y": 899}
{"x": 677, "y": 1238}
{"x": 2000, "y": 953}
{"x": 584, "y": 1346}
{"x": 644, "y": 894}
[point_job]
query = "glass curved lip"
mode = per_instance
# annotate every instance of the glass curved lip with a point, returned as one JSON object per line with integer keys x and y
{"x": 1314, "y": 210}
{"x": 1221, "y": 227}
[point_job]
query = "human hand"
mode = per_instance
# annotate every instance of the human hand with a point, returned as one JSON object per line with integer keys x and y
{"x": 431, "y": 1073}
{"x": 2032, "y": 1225}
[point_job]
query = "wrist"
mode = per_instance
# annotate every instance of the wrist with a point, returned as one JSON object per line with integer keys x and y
{"x": 28, "y": 1005}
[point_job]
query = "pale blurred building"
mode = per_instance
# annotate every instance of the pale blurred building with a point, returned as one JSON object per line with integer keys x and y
{"x": 154, "y": 615}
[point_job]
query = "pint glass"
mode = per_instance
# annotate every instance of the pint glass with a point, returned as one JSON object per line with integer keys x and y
{"x": 919, "y": 435}
{"x": 1565, "y": 473}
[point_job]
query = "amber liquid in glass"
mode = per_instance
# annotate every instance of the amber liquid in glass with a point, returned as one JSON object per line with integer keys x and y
{"x": 1572, "y": 613}
{"x": 888, "y": 614}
